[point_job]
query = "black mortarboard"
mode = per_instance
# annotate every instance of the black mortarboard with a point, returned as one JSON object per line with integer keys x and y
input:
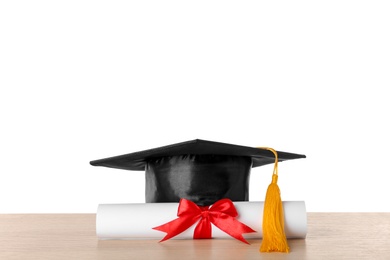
{"x": 198, "y": 170}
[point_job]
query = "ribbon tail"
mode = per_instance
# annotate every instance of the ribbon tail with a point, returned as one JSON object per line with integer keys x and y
{"x": 175, "y": 227}
{"x": 232, "y": 226}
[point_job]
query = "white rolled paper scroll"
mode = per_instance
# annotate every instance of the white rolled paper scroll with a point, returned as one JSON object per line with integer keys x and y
{"x": 136, "y": 221}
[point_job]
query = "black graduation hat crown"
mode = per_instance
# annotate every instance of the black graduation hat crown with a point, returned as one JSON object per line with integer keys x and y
{"x": 198, "y": 170}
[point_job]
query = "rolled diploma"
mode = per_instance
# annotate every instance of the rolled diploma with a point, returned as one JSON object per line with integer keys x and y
{"x": 136, "y": 221}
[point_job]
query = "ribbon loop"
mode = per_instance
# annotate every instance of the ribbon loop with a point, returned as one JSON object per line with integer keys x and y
{"x": 222, "y": 214}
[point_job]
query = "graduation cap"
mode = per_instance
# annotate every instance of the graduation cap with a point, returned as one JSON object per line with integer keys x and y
{"x": 204, "y": 172}
{"x": 198, "y": 170}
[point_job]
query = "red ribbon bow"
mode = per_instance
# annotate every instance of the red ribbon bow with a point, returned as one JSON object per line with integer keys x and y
{"x": 222, "y": 214}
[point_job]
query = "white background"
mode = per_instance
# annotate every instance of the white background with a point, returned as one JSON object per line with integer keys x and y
{"x": 84, "y": 80}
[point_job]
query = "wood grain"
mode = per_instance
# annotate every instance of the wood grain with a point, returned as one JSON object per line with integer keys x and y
{"x": 72, "y": 236}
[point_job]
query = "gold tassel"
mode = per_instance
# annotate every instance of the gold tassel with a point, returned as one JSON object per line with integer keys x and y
{"x": 274, "y": 237}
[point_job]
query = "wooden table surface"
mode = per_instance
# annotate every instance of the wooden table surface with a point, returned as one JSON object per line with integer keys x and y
{"x": 72, "y": 236}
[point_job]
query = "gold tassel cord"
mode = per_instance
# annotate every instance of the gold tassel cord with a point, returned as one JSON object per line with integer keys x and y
{"x": 274, "y": 237}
